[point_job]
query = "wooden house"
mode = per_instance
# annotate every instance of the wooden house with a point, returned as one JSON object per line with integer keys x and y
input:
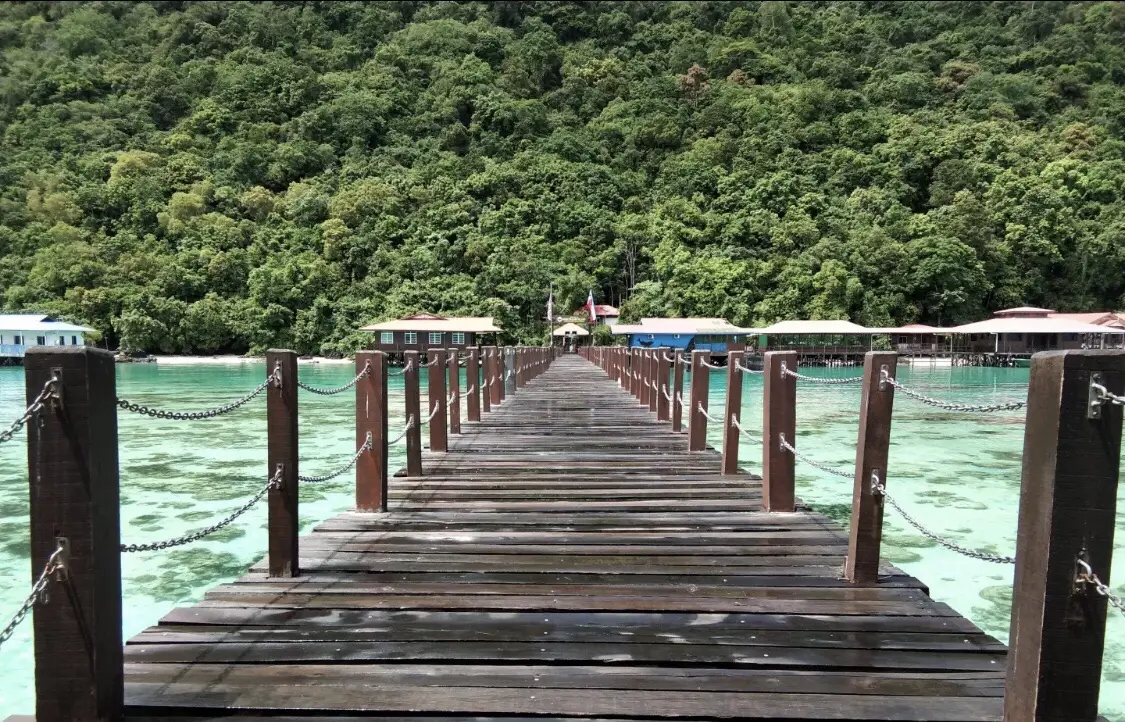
{"x": 426, "y": 330}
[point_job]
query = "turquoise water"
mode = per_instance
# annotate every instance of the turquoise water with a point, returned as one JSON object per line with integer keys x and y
{"x": 957, "y": 473}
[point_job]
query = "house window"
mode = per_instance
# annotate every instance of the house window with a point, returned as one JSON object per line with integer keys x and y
{"x": 458, "y": 339}
{"x": 73, "y": 340}
{"x": 435, "y": 337}
{"x": 410, "y": 338}
{"x": 17, "y": 340}
{"x": 387, "y": 337}
{"x": 40, "y": 340}
{"x": 62, "y": 340}
{"x": 676, "y": 336}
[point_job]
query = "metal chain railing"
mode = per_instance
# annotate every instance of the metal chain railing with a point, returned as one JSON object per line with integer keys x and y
{"x": 56, "y": 562}
{"x": 668, "y": 359}
{"x": 709, "y": 365}
{"x": 369, "y": 443}
{"x": 409, "y": 365}
{"x": 949, "y": 405}
{"x": 706, "y": 415}
{"x": 1106, "y": 397}
{"x": 1087, "y": 575}
{"x": 433, "y": 413}
{"x": 449, "y": 401}
{"x": 746, "y": 370}
{"x": 408, "y": 427}
{"x": 812, "y": 462}
{"x": 274, "y": 378}
{"x": 664, "y": 390}
{"x": 273, "y": 483}
{"x": 735, "y": 423}
{"x": 680, "y": 401}
{"x": 879, "y": 490}
{"x": 33, "y": 410}
{"x": 339, "y": 389}
{"x": 785, "y": 370}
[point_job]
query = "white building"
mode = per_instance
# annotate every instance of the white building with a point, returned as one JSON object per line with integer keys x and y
{"x": 20, "y": 331}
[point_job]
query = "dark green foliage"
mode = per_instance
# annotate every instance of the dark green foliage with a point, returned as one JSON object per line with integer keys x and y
{"x": 208, "y": 176}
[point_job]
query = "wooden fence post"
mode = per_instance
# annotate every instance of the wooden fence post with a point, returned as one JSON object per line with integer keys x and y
{"x": 435, "y": 392}
{"x": 371, "y": 418}
{"x": 653, "y": 373}
{"x": 411, "y": 373}
{"x": 509, "y": 372}
{"x": 74, "y": 494}
{"x": 700, "y": 378}
{"x": 472, "y": 373}
{"x": 635, "y": 364}
{"x": 492, "y": 384}
{"x": 876, "y": 405}
{"x": 642, "y": 382}
{"x": 677, "y": 392}
{"x": 1068, "y": 496}
{"x": 281, "y": 427}
{"x": 733, "y": 411}
{"x": 663, "y": 409}
{"x": 779, "y": 401}
{"x": 454, "y": 391}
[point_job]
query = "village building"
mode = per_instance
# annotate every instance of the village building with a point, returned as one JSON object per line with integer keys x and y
{"x": 21, "y": 331}
{"x": 426, "y": 330}
{"x": 716, "y": 335}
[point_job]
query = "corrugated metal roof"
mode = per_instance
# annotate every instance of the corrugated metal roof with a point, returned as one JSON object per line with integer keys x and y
{"x": 1029, "y": 325}
{"x": 919, "y": 328}
{"x": 690, "y": 326}
{"x": 571, "y": 328}
{"x": 37, "y": 322}
{"x": 1022, "y": 309}
{"x": 428, "y": 322}
{"x": 815, "y": 328}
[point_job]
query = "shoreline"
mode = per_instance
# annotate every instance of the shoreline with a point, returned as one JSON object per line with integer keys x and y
{"x": 231, "y": 360}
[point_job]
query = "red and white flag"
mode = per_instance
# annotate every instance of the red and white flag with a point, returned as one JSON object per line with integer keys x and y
{"x": 590, "y": 307}
{"x": 551, "y": 307}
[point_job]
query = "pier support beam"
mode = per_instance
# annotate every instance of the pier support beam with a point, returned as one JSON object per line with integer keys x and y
{"x": 454, "y": 391}
{"x": 472, "y": 381}
{"x": 436, "y": 405}
{"x": 371, "y": 418}
{"x": 410, "y": 376}
{"x": 677, "y": 392}
{"x": 700, "y": 380}
{"x": 663, "y": 407}
{"x": 872, "y": 448}
{"x": 73, "y": 476}
{"x": 733, "y": 411}
{"x": 281, "y": 424}
{"x": 779, "y": 409}
{"x": 492, "y": 382}
{"x": 1068, "y": 501}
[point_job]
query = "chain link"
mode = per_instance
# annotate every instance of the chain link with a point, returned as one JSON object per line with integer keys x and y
{"x": 409, "y": 365}
{"x": 708, "y": 365}
{"x": 369, "y": 443}
{"x": 680, "y": 400}
{"x": 409, "y": 426}
{"x": 811, "y": 462}
{"x": 1104, "y": 396}
{"x": 734, "y": 422}
{"x": 1087, "y": 575}
{"x": 785, "y": 370}
{"x": 38, "y": 592}
{"x": 664, "y": 390}
{"x": 949, "y": 405}
{"x": 33, "y": 410}
{"x": 668, "y": 359}
{"x": 879, "y": 490}
{"x": 339, "y": 389}
{"x": 273, "y": 483}
{"x": 433, "y": 413}
{"x": 274, "y": 379}
{"x": 746, "y": 370}
{"x": 706, "y": 415}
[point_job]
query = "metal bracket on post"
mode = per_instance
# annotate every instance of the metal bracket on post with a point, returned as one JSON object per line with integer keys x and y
{"x": 56, "y": 398}
{"x": 883, "y": 374}
{"x": 1094, "y": 408}
{"x": 62, "y": 561}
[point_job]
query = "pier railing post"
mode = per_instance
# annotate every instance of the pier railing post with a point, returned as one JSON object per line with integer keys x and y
{"x": 677, "y": 392}
{"x": 454, "y": 391}
{"x": 643, "y": 387}
{"x": 492, "y": 385}
{"x": 412, "y": 372}
{"x": 281, "y": 426}
{"x": 473, "y": 384}
{"x": 436, "y": 406}
{"x": 371, "y": 418}
{"x": 653, "y": 373}
{"x": 732, "y": 413}
{"x": 509, "y": 372}
{"x": 74, "y": 494}
{"x": 636, "y": 362}
{"x": 700, "y": 378}
{"x": 779, "y": 409}
{"x": 1068, "y": 496}
{"x": 876, "y": 404}
{"x": 663, "y": 409}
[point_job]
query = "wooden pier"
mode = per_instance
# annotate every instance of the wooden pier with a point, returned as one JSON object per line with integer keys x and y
{"x": 566, "y": 551}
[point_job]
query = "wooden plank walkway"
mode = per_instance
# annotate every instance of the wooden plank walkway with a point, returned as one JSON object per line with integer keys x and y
{"x": 569, "y": 558}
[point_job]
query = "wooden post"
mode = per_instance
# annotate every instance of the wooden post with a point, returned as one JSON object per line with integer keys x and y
{"x": 677, "y": 392}
{"x": 281, "y": 427}
{"x": 1068, "y": 498}
{"x": 492, "y": 382}
{"x": 439, "y": 435}
{"x": 371, "y": 418}
{"x": 733, "y": 411}
{"x": 73, "y": 475}
{"x": 876, "y": 405}
{"x": 502, "y": 372}
{"x": 635, "y": 363}
{"x": 779, "y": 402}
{"x": 653, "y": 372}
{"x": 454, "y": 391}
{"x": 410, "y": 377}
{"x": 700, "y": 378}
{"x": 509, "y": 372}
{"x": 472, "y": 373}
{"x": 663, "y": 408}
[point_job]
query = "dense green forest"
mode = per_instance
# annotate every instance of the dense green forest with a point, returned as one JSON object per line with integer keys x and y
{"x": 222, "y": 176}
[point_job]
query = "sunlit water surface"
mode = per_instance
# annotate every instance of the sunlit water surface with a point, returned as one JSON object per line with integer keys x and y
{"x": 957, "y": 473}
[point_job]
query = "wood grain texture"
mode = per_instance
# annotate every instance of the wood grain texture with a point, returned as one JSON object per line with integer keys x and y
{"x": 435, "y": 400}
{"x": 283, "y": 452}
{"x": 473, "y": 384}
{"x": 733, "y": 410}
{"x": 697, "y": 403}
{"x": 410, "y": 381}
{"x": 677, "y": 392}
{"x": 371, "y": 468}
{"x": 779, "y": 410}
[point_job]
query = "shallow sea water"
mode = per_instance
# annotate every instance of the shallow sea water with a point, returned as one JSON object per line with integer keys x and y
{"x": 957, "y": 473}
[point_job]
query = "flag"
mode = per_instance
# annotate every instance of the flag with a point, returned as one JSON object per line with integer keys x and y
{"x": 551, "y": 307}
{"x": 590, "y": 307}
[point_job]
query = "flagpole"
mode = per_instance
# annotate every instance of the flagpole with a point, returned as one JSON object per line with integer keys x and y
{"x": 551, "y": 315}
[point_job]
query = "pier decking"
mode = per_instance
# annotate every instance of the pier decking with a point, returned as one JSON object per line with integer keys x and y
{"x": 569, "y": 557}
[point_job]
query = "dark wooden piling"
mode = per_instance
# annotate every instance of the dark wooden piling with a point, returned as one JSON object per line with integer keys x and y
{"x": 1068, "y": 498}
{"x": 653, "y": 373}
{"x": 454, "y": 391}
{"x": 436, "y": 405}
{"x": 700, "y": 378}
{"x": 876, "y": 406}
{"x": 491, "y": 382}
{"x": 733, "y": 411}
{"x": 663, "y": 406}
{"x": 677, "y": 392}
{"x": 503, "y": 366}
{"x": 779, "y": 402}
{"x": 283, "y": 452}
{"x": 472, "y": 383}
{"x": 74, "y": 494}
{"x": 371, "y": 469}
{"x": 410, "y": 381}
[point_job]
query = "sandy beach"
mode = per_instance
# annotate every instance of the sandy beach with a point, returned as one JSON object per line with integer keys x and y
{"x": 221, "y": 360}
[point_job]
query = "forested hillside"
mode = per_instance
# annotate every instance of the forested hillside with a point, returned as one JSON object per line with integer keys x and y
{"x": 212, "y": 176}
